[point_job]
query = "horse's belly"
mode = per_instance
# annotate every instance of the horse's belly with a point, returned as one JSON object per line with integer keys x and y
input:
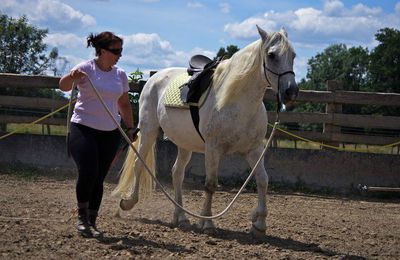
{"x": 178, "y": 126}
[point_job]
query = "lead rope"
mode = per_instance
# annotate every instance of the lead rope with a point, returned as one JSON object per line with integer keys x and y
{"x": 69, "y": 114}
{"x": 161, "y": 186}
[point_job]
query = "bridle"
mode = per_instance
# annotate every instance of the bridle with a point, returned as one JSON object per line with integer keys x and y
{"x": 279, "y": 75}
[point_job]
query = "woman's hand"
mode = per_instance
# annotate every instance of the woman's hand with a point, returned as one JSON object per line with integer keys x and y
{"x": 77, "y": 74}
{"x": 132, "y": 134}
{"x": 67, "y": 80}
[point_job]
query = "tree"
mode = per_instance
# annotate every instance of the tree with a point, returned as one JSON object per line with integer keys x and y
{"x": 339, "y": 63}
{"x": 22, "y": 51}
{"x": 384, "y": 69}
{"x": 227, "y": 52}
{"x": 22, "y": 48}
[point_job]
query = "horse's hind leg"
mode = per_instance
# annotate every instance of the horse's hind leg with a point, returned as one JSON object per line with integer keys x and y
{"x": 178, "y": 174}
{"x": 260, "y": 213}
{"x": 211, "y": 161}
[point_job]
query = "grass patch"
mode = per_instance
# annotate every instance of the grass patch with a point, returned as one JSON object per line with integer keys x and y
{"x": 38, "y": 129}
{"x": 362, "y": 148}
{"x": 29, "y": 173}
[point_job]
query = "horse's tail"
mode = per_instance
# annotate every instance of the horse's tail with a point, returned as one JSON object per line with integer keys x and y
{"x": 127, "y": 179}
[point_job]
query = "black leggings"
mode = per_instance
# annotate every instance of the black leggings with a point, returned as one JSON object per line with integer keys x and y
{"x": 93, "y": 152}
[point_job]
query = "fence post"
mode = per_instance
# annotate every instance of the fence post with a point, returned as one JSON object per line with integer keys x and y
{"x": 330, "y": 128}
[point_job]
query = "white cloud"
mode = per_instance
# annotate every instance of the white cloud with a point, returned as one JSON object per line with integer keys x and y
{"x": 334, "y": 23}
{"x": 362, "y": 10}
{"x": 48, "y": 12}
{"x": 247, "y": 28}
{"x": 397, "y": 8}
{"x": 225, "y": 8}
{"x": 194, "y": 5}
{"x": 333, "y": 7}
{"x": 150, "y": 51}
{"x": 300, "y": 67}
{"x": 67, "y": 40}
{"x": 141, "y": 50}
{"x": 311, "y": 29}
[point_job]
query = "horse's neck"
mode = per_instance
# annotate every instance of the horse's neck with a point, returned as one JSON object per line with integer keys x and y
{"x": 253, "y": 92}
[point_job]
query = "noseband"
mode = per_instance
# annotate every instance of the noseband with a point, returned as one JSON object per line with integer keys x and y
{"x": 279, "y": 75}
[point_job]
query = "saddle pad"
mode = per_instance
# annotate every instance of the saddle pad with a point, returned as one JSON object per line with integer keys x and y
{"x": 172, "y": 97}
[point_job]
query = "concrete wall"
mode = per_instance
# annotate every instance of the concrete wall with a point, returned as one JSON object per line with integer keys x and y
{"x": 315, "y": 169}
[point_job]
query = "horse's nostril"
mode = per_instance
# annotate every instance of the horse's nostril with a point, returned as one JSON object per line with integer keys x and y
{"x": 291, "y": 93}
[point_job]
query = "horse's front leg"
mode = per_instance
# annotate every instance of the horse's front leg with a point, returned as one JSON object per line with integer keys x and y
{"x": 178, "y": 173}
{"x": 212, "y": 157}
{"x": 260, "y": 213}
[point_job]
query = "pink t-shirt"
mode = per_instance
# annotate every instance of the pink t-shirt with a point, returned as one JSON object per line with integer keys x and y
{"x": 111, "y": 85}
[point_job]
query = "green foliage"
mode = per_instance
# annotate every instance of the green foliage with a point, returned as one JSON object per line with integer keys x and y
{"x": 227, "y": 52}
{"x": 134, "y": 100}
{"x": 21, "y": 52}
{"x": 22, "y": 48}
{"x": 338, "y": 63}
{"x": 135, "y": 76}
{"x": 384, "y": 68}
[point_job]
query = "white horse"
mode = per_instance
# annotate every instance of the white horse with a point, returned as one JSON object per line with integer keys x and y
{"x": 233, "y": 119}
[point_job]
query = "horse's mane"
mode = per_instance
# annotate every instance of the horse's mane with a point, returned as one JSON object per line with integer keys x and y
{"x": 235, "y": 74}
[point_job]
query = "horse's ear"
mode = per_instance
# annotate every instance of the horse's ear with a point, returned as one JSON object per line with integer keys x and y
{"x": 283, "y": 31}
{"x": 263, "y": 34}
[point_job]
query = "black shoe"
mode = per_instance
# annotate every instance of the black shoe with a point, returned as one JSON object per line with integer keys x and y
{"x": 83, "y": 226}
{"x": 95, "y": 232}
{"x": 92, "y": 224}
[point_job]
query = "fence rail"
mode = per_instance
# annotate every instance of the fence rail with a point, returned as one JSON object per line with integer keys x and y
{"x": 332, "y": 120}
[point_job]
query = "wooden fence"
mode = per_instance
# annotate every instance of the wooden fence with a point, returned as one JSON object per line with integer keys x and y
{"x": 332, "y": 120}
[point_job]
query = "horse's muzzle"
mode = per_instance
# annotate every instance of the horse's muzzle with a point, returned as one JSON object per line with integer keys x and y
{"x": 289, "y": 96}
{"x": 291, "y": 93}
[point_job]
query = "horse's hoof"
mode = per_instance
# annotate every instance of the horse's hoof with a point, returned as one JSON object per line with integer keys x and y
{"x": 184, "y": 224}
{"x": 210, "y": 231}
{"x": 127, "y": 204}
{"x": 257, "y": 233}
{"x": 208, "y": 227}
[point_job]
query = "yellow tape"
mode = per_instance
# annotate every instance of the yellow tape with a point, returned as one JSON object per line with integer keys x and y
{"x": 334, "y": 147}
{"x": 34, "y": 122}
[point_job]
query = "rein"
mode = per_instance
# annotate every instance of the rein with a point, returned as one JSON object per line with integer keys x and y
{"x": 158, "y": 182}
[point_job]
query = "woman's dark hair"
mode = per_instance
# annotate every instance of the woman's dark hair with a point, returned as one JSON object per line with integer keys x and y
{"x": 102, "y": 40}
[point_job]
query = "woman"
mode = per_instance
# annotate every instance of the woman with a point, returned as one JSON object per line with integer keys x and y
{"x": 94, "y": 137}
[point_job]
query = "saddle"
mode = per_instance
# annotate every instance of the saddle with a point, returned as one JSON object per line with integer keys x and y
{"x": 201, "y": 68}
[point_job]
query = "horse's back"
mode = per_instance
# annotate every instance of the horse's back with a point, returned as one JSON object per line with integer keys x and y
{"x": 156, "y": 84}
{"x": 176, "y": 123}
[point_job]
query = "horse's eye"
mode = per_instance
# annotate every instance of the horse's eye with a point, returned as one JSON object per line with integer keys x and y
{"x": 271, "y": 55}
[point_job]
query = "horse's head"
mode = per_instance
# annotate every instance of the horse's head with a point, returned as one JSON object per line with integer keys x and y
{"x": 278, "y": 57}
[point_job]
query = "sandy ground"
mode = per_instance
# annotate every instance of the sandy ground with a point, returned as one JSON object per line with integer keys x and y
{"x": 37, "y": 222}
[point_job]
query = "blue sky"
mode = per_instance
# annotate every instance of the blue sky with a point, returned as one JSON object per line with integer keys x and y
{"x": 161, "y": 33}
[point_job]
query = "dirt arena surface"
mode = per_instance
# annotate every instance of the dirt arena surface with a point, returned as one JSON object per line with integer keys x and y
{"x": 35, "y": 223}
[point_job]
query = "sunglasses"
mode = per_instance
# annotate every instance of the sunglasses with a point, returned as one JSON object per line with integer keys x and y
{"x": 114, "y": 51}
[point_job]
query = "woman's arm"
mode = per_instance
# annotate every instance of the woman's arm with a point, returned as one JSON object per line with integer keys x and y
{"x": 125, "y": 110}
{"x": 66, "y": 81}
